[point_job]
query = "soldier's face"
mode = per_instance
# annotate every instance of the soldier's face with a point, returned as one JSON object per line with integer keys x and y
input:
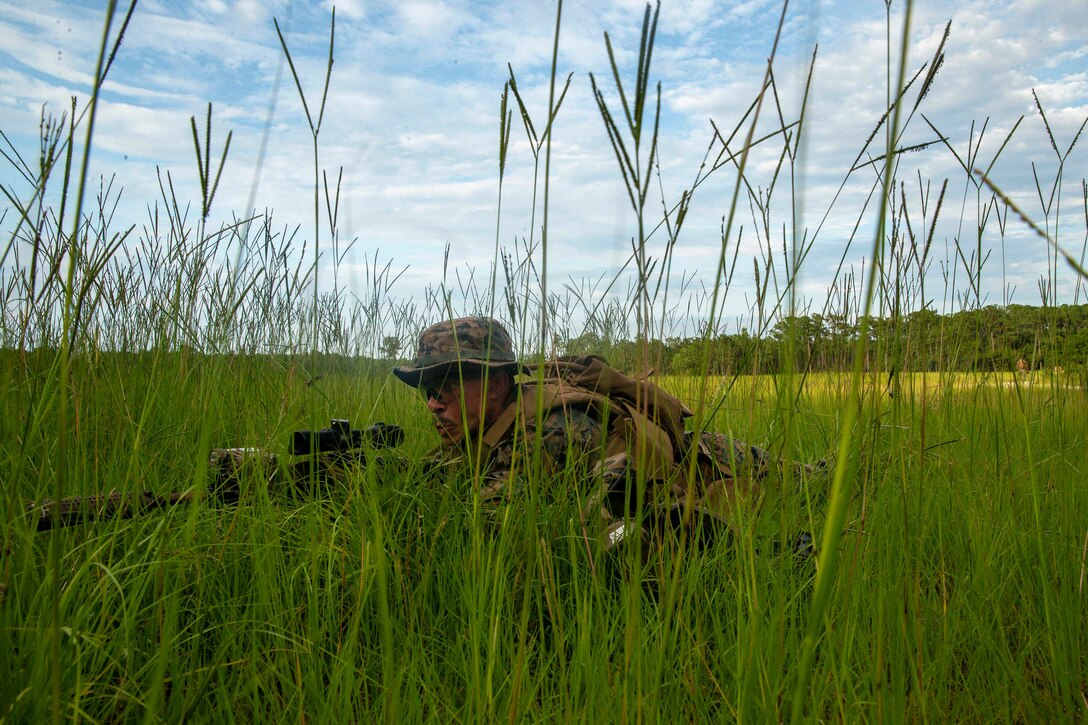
{"x": 457, "y": 406}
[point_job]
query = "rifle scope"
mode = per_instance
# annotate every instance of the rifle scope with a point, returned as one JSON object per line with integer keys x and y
{"x": 340, "y": 437}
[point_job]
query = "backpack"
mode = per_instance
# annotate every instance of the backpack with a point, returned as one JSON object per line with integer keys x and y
{"x": 642, "y": 419}
{"x": 647, "y": 452}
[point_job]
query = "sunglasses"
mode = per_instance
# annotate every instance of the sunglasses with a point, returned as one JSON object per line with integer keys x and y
{"x": 445, "y": 391}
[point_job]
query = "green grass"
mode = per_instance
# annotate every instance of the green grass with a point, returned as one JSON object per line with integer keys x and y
{"x": 959, "y": 595}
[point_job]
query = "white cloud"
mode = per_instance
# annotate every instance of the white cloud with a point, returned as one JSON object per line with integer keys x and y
{"x": 216, "y": 7}
{"x": 353, "y": 9}
{"x": 430, "y": 17}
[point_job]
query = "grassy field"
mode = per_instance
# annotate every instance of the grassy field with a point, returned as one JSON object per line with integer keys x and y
{"x": 959, "y": 595}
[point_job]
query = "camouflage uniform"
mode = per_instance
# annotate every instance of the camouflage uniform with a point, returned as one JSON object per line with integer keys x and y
{"x": 568, "y": 439}
{"x": 597, "y": 430}
{"x": 726, "y": 468}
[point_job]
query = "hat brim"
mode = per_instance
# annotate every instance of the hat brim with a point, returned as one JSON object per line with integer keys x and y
{"x": 418, "y": 377}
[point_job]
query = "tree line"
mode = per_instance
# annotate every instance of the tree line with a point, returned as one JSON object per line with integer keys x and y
{"x": 984, "y": 339}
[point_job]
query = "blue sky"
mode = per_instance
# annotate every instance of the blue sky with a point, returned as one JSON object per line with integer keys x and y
{"x": 412, "y": 118}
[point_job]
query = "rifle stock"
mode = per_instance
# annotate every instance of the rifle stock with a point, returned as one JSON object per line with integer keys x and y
{"x": 228, "y": 465}
{"x": 77, "y": 509}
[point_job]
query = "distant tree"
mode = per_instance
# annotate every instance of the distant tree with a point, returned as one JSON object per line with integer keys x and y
{"x": 923, "y": 331}
{"x": 390, "y": 347}
{"x": 588, "y": 343}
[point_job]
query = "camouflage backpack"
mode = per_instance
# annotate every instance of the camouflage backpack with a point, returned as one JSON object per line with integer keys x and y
{"x": 647, "y": 461}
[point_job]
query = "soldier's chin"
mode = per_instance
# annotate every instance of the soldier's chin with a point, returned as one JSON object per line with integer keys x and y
{"x": 449, "y": 436}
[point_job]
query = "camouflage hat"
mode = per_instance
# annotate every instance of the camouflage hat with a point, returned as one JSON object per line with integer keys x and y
{"x": 470, "y": 342}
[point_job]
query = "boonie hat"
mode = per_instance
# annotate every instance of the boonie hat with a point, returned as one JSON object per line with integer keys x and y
{"x": 469, "y": 342}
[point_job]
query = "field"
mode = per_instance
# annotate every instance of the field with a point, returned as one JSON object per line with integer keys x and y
{"x": 950, "y": 520}
{"x": 958, "y": 594}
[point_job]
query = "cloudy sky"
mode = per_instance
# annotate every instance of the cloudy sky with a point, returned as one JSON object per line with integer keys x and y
{"x": 412, "y": 119}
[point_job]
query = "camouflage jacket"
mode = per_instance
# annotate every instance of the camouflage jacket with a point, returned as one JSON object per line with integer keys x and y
{"x": 602, "y": 455}
{"x": 567, "y": 439}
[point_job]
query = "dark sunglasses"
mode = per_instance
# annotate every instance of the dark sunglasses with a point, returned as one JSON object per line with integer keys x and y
{"x": 443, "y": 391}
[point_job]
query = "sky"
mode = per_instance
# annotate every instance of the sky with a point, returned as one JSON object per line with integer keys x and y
{"x": 411, "y": 122}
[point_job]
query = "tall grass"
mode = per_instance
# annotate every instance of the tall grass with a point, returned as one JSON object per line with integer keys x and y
{"x": 949, "y": 582}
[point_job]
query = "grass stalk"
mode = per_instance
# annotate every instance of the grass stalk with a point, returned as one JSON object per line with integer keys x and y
{"x": 845, "y": 465}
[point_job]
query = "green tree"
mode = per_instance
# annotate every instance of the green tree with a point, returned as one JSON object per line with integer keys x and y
{"x": 390, "y": 347}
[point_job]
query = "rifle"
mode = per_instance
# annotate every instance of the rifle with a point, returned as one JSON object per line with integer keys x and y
{"x": 323, "y": 457}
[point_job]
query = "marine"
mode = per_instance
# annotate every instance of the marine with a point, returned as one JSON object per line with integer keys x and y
{"x": 642, "y": 473}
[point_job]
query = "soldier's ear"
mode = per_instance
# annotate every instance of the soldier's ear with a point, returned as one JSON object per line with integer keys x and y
{"x": 499, "y": 385}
